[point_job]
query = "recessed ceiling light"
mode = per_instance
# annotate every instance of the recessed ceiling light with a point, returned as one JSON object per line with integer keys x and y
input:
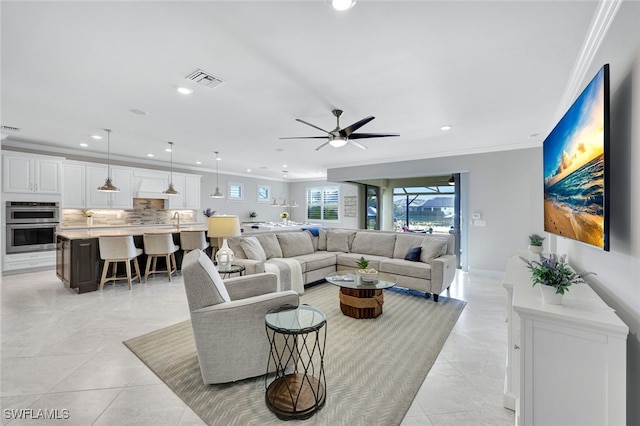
{"x": 84, "y": 144}
{"x": 96, "y": 137}
{"x": 167, "y": 149}
{"x": 342, "y": 4}
{"x": 284, "y": 165}
{"x": 149, "y": 155}
{"x": 198, "y": 162}
{"x": 138, "y": 111}
{"x": 249, "y": 170}
{"x": 184, "y": 90}
{"x": 446, "y": 127}
{"x": 279, "y": 149}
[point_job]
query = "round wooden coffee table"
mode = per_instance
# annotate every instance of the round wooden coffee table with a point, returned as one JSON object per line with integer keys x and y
{"x": 361, "y": 299}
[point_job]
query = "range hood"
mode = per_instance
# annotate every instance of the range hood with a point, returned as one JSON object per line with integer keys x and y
{"x": 151, "y": 188}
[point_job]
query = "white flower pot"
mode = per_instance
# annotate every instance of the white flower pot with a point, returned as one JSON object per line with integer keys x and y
{"x": 535, "y": 249}
{"x": 550, "y": 296}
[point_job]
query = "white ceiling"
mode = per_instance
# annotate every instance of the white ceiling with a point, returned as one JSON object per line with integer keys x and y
{"x": 496, "y": 71}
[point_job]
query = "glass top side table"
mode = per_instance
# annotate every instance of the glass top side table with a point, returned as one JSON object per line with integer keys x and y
{"x": 297, "y": 336}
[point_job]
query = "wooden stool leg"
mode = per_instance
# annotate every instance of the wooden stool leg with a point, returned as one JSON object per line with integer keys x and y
{"x": 137, "y": 266}
{"x": 127, "y": 263}
{"x": 105, "y": 269}
{"x": 114, "y": 271}
{"x": 146, "y": 272}
{"x": 175, "y": 264}
{"x": 168, "y": 258}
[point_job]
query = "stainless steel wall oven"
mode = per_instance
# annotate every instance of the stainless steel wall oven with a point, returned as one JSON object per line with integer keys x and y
{"x": 31, "y": 226}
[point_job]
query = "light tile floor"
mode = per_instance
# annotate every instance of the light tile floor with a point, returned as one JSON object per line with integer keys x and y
{"x": 61, "y": 350}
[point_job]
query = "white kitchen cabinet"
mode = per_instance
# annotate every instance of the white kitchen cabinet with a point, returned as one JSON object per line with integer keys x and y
{"x": 26, "y": 173}
{"x": 571, "y": 358}
{"x": 95, "y": 177}
{"x": 188, "y": 187}
{"x": 73, "y": 188}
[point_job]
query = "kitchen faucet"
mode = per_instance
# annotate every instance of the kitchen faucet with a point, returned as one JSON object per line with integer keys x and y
{"x": 176, "y": 215}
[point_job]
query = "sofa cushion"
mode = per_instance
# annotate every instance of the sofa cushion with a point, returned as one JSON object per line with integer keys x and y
{"x": 404, "y": 241}
{"x": 338, "y": 240}
{"x": 322, "y": 239}
{"x": 432, "y": 248}
{"x": 413, "y": 254}
{"x": 406, "y": 268}
{"x": 317, "y": 260}
{"x": 270, "y": 244}
{"x": 349, "y": 260}
{"x": 253, "y": 249}
{"x": 295, "y": 243}
{"x": 314, "y": 240}
{"x": 205, "y": 286}
{"x": 374, "y": 243}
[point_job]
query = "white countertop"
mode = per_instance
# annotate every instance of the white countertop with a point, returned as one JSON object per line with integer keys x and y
{"x": 96, "y": 232}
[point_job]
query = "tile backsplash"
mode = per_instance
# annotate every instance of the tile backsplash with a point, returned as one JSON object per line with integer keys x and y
{"x": 146, "y": 211}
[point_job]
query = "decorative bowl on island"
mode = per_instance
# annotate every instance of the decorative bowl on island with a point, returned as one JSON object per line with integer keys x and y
{"x": 368, "y": 275}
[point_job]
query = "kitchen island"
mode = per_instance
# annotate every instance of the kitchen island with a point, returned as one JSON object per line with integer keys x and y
{"x": 78, "y": 263}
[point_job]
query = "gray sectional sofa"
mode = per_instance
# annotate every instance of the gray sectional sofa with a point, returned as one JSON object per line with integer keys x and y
{"x": 320, "y": 252}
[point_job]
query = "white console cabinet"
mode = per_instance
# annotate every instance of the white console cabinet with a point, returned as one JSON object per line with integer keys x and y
{"x": 566, "y": 364}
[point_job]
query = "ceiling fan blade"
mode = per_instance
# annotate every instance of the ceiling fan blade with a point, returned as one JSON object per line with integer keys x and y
{"x": 371, "y": 135}
{"x": 322, "y": 146}
{"x": 305, "y": 137}
{"x": 355, "y": 126}
{"x": 358, "y": 144}
{"x": 312, "y": 125}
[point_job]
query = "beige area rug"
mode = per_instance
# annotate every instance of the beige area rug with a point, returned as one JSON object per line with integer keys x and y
{"x": 374, "y": 367}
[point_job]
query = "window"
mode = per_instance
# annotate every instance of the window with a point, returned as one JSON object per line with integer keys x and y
{"x": 424, "y": 209}
{"x": 323, "y": 203}
{"x": 264, "y": 194}
{"x": 236, "y": 191}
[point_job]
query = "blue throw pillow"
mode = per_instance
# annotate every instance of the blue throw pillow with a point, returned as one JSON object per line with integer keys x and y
{"x": 413, "y": 254}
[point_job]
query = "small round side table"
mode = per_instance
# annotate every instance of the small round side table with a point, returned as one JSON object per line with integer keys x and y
{"x": 297, "y": 336}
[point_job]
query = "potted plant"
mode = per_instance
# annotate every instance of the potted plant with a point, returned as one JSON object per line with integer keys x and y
{"x": 535, "y": 243}
{"x": 366, "y": 274}
{"x": 285, "y": 217}
{"x": 208, "y": 212}
{"x": 253, "y": 216}
{"x": 554, "y": 275}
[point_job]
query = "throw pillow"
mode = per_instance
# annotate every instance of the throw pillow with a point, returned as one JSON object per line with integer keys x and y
{"x": 295, "y": 243}
{"x": 432, "y": 248}
{"x": 338, "y": 241}
{"x": 413, "y": 254}
{"x": 270, "y": 244}
{"x": 253, "y": 249}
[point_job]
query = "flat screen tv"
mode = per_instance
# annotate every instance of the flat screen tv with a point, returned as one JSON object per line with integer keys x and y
{"x": 575, "y": 161}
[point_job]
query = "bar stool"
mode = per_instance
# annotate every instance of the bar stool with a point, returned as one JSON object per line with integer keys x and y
{"x": 114, "y": 249}
{"x": 193, "y": 240}
{"x": 159, "y": 245}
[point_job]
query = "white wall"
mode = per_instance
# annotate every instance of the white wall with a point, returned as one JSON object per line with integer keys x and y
{"x": 505, "y": 187}
{"x": 265, "y": 212}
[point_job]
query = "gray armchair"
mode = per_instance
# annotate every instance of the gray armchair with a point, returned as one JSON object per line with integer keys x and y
{"x": 228, "y": 318}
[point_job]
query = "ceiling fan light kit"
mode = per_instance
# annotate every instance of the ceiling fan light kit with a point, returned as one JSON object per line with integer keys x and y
{"x": 342, "y": 5}
{"x": 340, "y": 137}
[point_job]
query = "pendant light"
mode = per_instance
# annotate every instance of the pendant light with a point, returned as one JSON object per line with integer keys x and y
{"x": 217, "y": 193}
{"x": 452, "y": 180}
{"x": 108, "y": 184}
{"x": 170, "y": 190}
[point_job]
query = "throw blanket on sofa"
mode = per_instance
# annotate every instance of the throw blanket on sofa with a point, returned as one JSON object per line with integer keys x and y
{"x": 289, "y": 274}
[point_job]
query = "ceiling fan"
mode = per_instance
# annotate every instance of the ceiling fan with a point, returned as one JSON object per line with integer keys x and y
{"x": 340, "y": 137}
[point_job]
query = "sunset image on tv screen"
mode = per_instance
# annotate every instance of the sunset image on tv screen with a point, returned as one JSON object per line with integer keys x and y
{"x": 574, "y": 169}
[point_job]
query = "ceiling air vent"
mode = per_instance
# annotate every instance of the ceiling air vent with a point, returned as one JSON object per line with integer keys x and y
{"x": 204, "y": 79}
{"x": 10, "y": 129}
